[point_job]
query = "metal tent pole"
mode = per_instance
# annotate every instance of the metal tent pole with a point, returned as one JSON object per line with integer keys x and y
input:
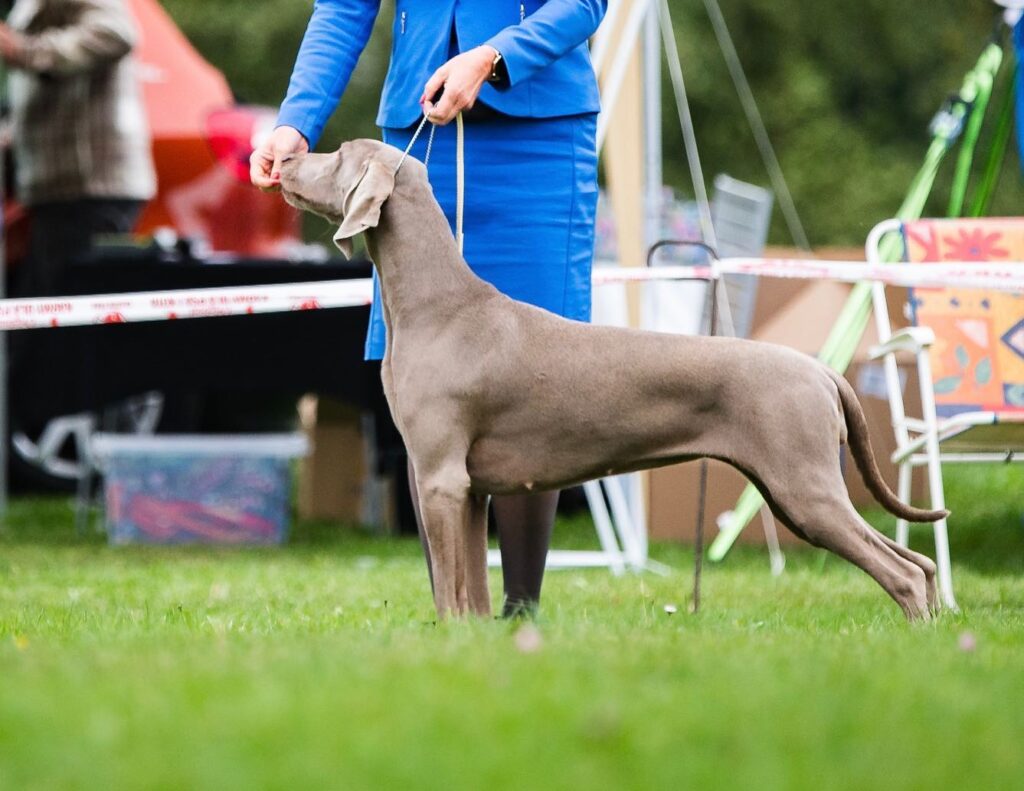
{"x": 4, "y": 445}
{"x": 616, "y": 74}
{"x": 3, "y": 367}
{"x": 635, "y": 484}
{"x": 700, "y": 192}
{"x": 652, "y": 128}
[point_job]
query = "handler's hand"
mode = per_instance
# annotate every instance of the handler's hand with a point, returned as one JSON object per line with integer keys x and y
{"x": 461, "y": 78}
{"x": 265, "y": 162}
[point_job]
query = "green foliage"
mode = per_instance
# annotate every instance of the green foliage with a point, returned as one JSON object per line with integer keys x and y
{"x": 846, "y": 90}
{"x": 254, "y": 42}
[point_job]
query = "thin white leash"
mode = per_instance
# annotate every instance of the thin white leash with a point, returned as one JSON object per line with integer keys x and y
{"x": 412, "y": 142}
{"x": 460, "y": 181}
{"x": 460, "y": 168}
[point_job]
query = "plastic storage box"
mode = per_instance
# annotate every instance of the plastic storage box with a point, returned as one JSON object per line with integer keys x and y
{"x": 211, "y": 489}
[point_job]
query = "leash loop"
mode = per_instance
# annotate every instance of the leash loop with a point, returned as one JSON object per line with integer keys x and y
{"x": 412, "y": 142}
{"x": 430, "y": 145}
{"x": 460, "y": 167}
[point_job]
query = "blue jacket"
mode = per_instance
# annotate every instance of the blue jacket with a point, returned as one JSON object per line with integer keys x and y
{"x": 543, "y": 42}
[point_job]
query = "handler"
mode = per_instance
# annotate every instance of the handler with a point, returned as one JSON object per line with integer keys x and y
{"x": 81, "y": 143}
{"x": 520, "y": 73}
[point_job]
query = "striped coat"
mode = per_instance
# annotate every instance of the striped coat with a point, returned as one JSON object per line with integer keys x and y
{"x": 78, "y": 121}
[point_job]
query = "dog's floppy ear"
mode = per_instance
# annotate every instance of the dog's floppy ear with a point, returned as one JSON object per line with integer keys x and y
{"x": 363, "y": 202}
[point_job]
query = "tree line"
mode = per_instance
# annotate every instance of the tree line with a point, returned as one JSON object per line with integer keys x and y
{"x": 846, "y": 89}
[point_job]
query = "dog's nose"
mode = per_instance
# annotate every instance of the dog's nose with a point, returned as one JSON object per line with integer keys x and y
{"x": 289, "y": 165}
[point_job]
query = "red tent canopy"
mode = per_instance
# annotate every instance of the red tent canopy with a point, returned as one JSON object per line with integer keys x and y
{"x": 179, "y": 86}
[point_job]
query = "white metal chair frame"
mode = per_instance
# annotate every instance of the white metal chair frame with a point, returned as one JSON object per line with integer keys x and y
{"x": 918, "y": 441}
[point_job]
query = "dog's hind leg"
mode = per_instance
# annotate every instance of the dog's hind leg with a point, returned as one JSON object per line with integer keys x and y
{"x": 926, "y": 564}
{"x": 837, "y": 527}
{"x": 813, "y": 500}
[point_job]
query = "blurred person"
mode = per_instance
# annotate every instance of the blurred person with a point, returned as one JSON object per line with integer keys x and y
{"x": 82, "y": 150}
{"x": 520, "y": 73}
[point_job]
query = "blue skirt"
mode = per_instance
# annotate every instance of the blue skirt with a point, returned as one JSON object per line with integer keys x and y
{"x": 531, "y": 199}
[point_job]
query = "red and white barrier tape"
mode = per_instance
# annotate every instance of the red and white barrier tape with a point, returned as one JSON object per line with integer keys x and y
{"x": 20, "y": 314}
{"x": 999, "y": 276}
{"x": 985, "y": 275}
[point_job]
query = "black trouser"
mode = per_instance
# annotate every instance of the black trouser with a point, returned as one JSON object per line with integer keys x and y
{"x": 63, "y": 231}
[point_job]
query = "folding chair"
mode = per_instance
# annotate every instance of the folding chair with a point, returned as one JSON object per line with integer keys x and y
{"x": 969, "y": 348}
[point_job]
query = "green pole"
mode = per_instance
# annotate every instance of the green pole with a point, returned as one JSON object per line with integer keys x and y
{"x": 997, "y": 150}
{"x": 984, "y": 78}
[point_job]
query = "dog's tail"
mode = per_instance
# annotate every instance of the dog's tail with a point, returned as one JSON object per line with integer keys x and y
{"x": 864, "y": 456}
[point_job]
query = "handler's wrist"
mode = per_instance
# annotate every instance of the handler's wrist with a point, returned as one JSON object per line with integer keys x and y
{"x": 294, "y": 135}
{"x": 496, "y": 71}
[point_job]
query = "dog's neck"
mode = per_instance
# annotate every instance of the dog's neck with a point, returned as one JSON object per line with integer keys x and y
{"x": 423, "y": 276}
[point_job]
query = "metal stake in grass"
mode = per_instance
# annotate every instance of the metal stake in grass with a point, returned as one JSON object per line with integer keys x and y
{"x": 713, "y": 295}
{"x": 714, "y": 283}
{"x": 698, "y": 545}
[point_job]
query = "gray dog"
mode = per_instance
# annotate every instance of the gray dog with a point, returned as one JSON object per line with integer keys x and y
{"x": 600, "y": 400}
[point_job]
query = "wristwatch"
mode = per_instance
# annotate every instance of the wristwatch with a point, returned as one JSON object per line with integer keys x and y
{"x": 498, "y": 70}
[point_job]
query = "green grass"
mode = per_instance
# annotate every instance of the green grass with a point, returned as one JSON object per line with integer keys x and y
{"x": 319, "y": 666}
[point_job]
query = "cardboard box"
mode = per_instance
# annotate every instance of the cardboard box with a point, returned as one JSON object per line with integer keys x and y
{"x": 798, "y": 314}
{"x": 337, "y": 480}
{"x": 673, "y": 493}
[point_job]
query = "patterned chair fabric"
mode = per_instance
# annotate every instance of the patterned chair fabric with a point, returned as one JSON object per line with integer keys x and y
{"x": 978, "y": 356}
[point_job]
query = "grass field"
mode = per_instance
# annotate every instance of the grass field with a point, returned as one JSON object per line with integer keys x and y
{"x": 319, "y": 666}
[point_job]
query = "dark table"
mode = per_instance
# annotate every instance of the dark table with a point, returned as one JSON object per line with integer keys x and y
{"x": 68, "y": 370}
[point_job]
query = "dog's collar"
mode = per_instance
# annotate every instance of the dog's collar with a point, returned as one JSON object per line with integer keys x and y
{"x": 460, "y": 180}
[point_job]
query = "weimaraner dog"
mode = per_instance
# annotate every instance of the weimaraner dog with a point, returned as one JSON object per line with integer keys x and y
{"x": 599, "y": 400}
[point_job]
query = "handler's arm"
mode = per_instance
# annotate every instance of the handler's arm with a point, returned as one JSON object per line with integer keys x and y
{"x": 102, "y": 32}
{"x": 547, "y": 34}
{"x": 335, "y": 38}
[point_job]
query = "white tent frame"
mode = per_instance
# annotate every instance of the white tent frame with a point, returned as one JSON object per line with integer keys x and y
{"x": 617, "y": 503}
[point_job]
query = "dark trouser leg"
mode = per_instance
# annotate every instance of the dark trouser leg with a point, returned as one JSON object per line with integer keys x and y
{"x": 524, "y": 523}
{"x": 58, "y": 233}
{"x": 63, "y": 231}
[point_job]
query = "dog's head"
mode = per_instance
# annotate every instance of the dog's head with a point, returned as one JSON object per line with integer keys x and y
{"x": 348, "y": 187}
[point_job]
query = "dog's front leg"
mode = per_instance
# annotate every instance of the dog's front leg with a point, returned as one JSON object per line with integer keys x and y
{"x": 476, "y": 556}
{"x": 446, "y": 509}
